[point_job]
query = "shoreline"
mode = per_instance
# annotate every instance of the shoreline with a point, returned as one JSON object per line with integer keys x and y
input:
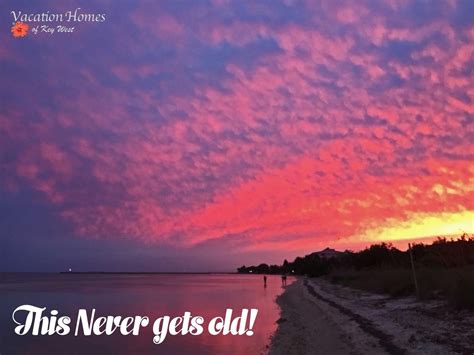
{"x": 143, "y": 273}
{"x": 317, "y": 317}
{"x": 304, "y": 327}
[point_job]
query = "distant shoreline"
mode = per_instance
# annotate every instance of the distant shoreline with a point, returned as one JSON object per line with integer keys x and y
{"x": 144, "y": 273}
{"x": 117, "y": 273}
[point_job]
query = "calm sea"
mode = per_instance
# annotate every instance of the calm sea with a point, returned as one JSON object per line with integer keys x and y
{"x": 129, "y": 295}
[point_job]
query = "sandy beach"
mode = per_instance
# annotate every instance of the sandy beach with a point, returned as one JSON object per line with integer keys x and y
{"x": 321, "y": 318}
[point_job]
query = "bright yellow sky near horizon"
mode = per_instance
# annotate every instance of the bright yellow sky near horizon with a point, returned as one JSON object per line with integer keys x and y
{"x": 424, "y": 226}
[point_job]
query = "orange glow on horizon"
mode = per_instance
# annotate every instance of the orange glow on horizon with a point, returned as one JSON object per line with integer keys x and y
{"x": 421, "y": 228}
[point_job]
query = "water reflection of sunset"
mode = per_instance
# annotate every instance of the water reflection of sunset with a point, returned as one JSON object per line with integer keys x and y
{"x": 145, "y": 295}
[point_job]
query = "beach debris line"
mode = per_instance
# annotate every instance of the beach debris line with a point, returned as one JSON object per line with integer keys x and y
{"x": 366, "y": 325}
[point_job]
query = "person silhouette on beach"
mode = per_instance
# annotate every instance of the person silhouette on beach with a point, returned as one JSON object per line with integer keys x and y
{"x": 265, "y": 281}
{"x": 283, "y": 280}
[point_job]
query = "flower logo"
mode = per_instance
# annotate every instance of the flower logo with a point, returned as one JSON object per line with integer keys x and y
{"x": 20, "y": 29}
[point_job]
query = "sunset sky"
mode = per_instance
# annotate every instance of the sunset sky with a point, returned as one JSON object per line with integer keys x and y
{"x": 203, "y": 135}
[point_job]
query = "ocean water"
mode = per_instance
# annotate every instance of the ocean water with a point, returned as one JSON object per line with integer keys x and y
{"x": 152, "y": 295}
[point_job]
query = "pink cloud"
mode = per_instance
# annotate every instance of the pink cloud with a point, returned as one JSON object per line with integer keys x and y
{"x": 334, "y": 133}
